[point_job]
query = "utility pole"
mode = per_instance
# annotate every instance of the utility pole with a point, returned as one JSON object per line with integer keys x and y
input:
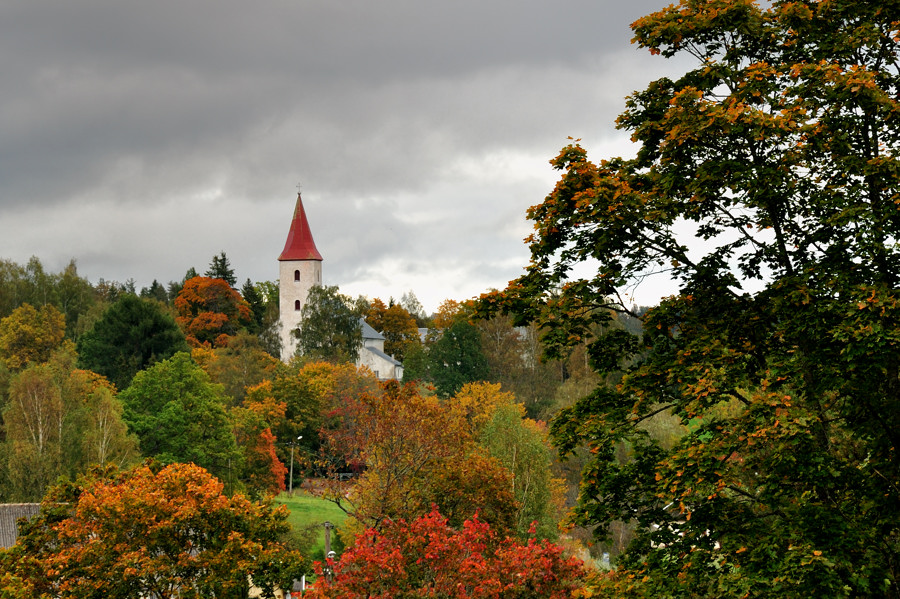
{"x": 291, "y": 483}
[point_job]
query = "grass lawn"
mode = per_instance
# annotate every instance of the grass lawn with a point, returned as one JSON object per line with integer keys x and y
{"x": 306, "y": 511}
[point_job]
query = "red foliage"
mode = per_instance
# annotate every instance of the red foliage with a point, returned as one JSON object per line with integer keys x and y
{"x": 266, "y": 470}
{"x": 428, "y": 558}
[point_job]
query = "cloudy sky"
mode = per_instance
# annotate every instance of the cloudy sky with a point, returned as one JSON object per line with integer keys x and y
{"x": 143, "y": 137}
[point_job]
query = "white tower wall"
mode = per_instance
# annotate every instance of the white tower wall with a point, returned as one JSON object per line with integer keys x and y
{"x": 295, "y": 279}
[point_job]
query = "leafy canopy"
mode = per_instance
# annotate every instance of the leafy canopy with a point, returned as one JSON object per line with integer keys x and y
{"x": 426, "y": 557}
{"x": 151, "y": 532}
{"x": 210, "y": 311}
{"x": 29, "y": 335}
{"x": 330, "y": 327}
{"x": 179, "y": 415}
{"x": 765, "y": 186}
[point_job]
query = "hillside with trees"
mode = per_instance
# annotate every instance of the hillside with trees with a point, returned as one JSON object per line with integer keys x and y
{"x": 184, "y": 377}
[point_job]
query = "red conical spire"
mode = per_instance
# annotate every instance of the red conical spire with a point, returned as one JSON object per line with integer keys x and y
{"x": 300, "y": 244}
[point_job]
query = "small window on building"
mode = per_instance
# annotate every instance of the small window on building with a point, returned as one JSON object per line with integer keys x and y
{"x": 297, "y": 305}
{"x": 296, "y": 275}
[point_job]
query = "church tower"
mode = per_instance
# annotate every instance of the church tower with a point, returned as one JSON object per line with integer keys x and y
{"x": 300, "y": 267}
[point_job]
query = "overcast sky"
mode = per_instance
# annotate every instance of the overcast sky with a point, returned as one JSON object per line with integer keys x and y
{"x": 143, "y": 137}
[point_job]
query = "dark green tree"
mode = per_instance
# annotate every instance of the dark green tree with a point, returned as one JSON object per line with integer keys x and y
{"x": 450, "y": 361}
{"x": 257, "y": 306}
{"x": 220, "y": 268}
{"x": 132, "y": 334}
{"x": 179, "y": 415}
{"x": 12, "y": 287}
{"x": 330, "y": 328}
{"x": 269, "y": 333}
{"x": 156, "y": 291}
{"x": 765, "y": 185}
{"x": 173, "y": 289}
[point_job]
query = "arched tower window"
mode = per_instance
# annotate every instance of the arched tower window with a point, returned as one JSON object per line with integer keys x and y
{"x": 296, "y": 275}
{"x": 297, "y": 305}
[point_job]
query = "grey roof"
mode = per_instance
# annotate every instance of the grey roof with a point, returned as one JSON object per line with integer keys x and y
{"x": 368, "y": 332}
{"x": 10, "y": 514}
{"x": 381, "y": 354}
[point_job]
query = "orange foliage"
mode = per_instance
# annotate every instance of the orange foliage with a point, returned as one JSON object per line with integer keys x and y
{"x": 447, "y": 313}
{"x": 265, "y": 470}
{"x": 260, "y": 400}
{"x": 209, "y": 311}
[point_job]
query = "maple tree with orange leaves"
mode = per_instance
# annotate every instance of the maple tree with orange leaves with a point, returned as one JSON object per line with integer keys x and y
{"x": 152, "y": 531}
{"x": 763, "y": 194}
{"x": 209, "y": 311}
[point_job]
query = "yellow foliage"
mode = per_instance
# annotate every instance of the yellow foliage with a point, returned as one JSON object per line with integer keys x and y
{"x": 29, "y": 335}
{"x": 477, "y": 403}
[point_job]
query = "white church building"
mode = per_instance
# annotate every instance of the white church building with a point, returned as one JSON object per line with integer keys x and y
{"x": 299, "y": 268}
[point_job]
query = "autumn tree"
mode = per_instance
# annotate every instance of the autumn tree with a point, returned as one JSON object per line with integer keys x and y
{"x": 164, "y": 532}
{"x": 411, "y": 304}
{"x": 32, "y": 284}
{"x": 498, "y": 423}
{"x": 262, "y": 472}
{"x": 33, "y": 424}
{"x": 302, "y": 401}
{"x": 330, "y": 327}
{"x": 241, "y": 364}
{"x": 29, "y": 335}
{"x": 396, "y": 324}
{"x": 765, "y": 187}
{"x": 58, "y": 422}
{"x": 95, "y": 431}
{"x": 426, "y": 557}
{"x": 210, "y": 312}
{"x": 415, "y": 452}
{"x": 513, "y": 356}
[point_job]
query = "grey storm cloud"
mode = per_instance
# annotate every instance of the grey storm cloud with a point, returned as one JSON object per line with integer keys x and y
{"x": 141, "y": 138}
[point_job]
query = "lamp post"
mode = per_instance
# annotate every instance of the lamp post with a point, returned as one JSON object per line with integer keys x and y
{"x": 329, "y": 554}
{"x": 291, "y": 483}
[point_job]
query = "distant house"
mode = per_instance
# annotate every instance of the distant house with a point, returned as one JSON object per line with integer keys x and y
{"x": 10, "y": 515}
{"x": 372, "y": 356}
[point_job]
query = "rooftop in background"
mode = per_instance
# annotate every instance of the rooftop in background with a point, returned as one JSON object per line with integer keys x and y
{"x": 300, "y": 244}
{"x": 10, "y": 514}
